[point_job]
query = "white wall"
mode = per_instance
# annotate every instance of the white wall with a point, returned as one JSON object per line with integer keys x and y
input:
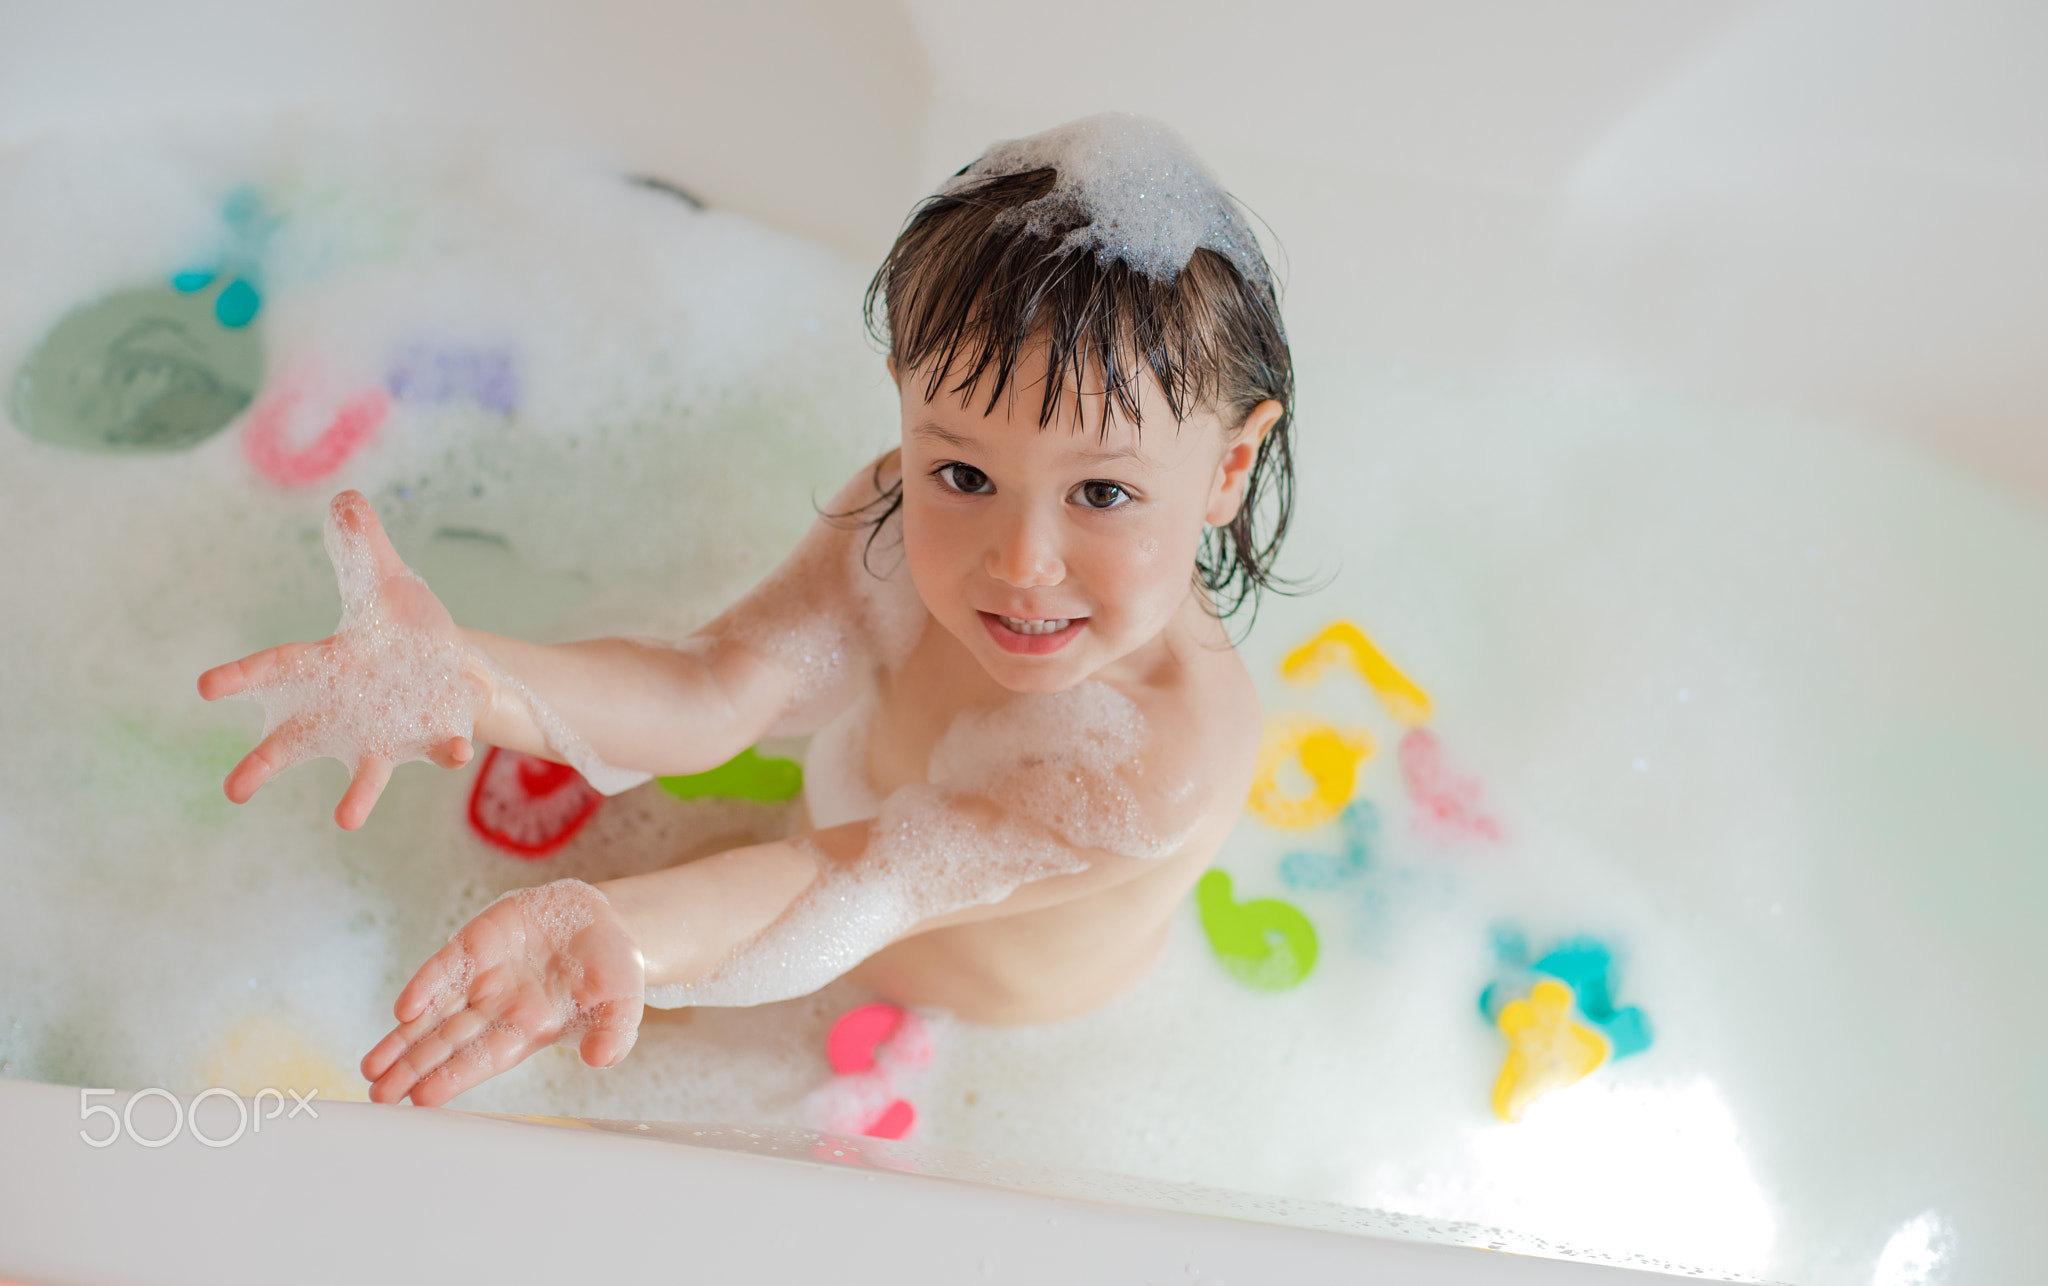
{"x": 807, "y": 111}
{"x": 1831, "y": 205}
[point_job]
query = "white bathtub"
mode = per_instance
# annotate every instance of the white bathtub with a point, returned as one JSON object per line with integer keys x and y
{"x": 1820, "y": 211}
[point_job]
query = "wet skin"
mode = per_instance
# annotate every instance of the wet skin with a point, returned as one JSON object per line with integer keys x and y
{"x": 1041, "y": 557}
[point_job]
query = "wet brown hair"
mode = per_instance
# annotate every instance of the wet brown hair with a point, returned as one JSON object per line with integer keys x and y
{"x": 970, "y": 285}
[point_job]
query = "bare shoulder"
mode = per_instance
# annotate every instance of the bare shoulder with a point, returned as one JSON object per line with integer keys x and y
{"x": 824, "y": 611}
{"x": 1202, "y": 723}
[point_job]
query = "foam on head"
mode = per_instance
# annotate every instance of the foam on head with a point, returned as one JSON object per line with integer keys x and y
{"x": 1138, "y": 193}
{"x": 143, "y": 917}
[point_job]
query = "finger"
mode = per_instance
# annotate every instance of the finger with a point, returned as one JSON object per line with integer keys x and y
{"x": 497, "y": 1049}
{"x": 383, "y": 1054}
{"x": 418, "y": 1061}
{"x": 251, "y": 671}
{"x": 280, "y": 750}
{"x": 444, "y": 978}
{"x": 438, "y": 992}
{"x": 400, "y": 1039}
{"x": 452, "y": 753}
{"x": 394, "y": 1046}
{"x": 373, "y": 773}
{"x": 351, "y": 509}
{"x": 607, "y": 1048}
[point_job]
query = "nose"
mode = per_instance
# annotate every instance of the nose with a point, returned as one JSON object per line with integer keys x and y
{"x": 1026, "y": 554}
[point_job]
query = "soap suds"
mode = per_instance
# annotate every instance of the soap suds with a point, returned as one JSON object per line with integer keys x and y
{"x": 382, "y": 687}
{"x": 836, "y": 785}
{"x": 1138, "y": 192}
{"x": 143, "y": 918}
{"x": 550, "y": 917}
{"x": 562, "y": 739}
{"x": 379, "y": 687}
{"x": 825, "y": 613}
{"x": 1055, "y": 768}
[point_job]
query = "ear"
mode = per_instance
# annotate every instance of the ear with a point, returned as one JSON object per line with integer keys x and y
{"x": 893, "y": 377}
{"x": 1234, "y": 470}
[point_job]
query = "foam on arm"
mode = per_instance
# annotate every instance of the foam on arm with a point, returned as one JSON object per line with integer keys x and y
{"x": 393, "y": 681}
{"x": 397, "y": 678}
{"x": 1016, "y": 795}
{"x": 825, "y": 613}
{"x": 561, "y": 739}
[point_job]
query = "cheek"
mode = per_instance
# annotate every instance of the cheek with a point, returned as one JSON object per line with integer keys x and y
{"x": 1146, "y": 572}
{"x": 934, "y": 548}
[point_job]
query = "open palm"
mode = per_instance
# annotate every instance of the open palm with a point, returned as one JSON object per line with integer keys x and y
{"x": 393, "y": 683}
{"x": 538, "y": 967}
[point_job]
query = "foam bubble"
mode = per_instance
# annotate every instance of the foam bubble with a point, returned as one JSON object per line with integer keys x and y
{"x": 550, "y": 917}
{"x": 380, "y": 687}
{"x": 563, "y": 740}
{"x": 1556, "y": 562}
{"x": 1062, "y": 760}
{"x": 1140, "y": 193}
{"x": 386, "y": 687}
{"x": 827, "y": 617}
{"x": 1013, "y": 796}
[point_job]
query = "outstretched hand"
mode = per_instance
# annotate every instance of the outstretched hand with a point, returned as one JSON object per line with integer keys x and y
{"x": 392, "y": 683}
{"x": 541, "y": 966}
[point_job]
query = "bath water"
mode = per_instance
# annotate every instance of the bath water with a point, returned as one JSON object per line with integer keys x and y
{"x": 1747, "y": 712}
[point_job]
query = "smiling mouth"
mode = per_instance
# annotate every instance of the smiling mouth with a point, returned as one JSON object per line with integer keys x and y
{"x": 1028, "y": 637}
{"x": 1023, "y": 626}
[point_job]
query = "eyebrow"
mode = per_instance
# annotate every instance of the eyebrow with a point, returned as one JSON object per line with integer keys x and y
{"x": 1117, "y": 453}
{"x": 927, "y": 429}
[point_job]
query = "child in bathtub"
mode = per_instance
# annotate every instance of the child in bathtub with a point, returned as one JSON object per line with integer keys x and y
{"x": 1032, "y": 732}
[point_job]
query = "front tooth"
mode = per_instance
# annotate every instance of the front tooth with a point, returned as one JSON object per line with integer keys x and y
{"x": 1034, "y": 627}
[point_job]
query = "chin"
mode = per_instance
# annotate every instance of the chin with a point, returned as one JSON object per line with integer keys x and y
{"x": 1034, "y": 678}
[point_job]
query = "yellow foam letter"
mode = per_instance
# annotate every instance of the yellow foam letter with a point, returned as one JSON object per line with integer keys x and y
{"x": 1329, "y": 757}
{"x": 1344, "y": 641}
{"x": 1546, "y": 1049}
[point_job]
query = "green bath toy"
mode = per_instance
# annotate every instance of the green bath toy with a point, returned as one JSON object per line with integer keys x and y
{"x": 150, "y": 369}
{"x": 1265, "y": 944}
{"x": 744, "y": 776}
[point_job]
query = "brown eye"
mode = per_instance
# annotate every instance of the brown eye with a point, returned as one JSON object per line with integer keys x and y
{"x": 1097, "y": 494}
{"x": 965, "y": 478}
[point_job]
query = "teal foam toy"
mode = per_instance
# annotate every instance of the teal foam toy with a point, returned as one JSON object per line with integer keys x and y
{"x": 150, "y": 369}
{"x": 240, "y": 264}
{"x": 747, "y": 775}
{"x": 1584, "y": 964}
{"x": 1265, "y": 944}
{"x": 159, "y": 368}
{"x": 1358, "y": 825}
{"x": 1357, "y": 874}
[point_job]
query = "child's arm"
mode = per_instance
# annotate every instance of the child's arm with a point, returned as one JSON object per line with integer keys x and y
{"x": 777, "y": 661}
{"x": 642, "y": 707}
{"x": 738, "y": 928}
{"x": 570, "y": 962}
